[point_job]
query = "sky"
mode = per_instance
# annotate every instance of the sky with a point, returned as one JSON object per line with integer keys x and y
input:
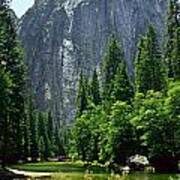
{"x": 21, "y": 6}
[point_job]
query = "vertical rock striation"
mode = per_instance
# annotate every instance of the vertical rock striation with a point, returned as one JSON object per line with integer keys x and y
{"x": 61, "y": 37}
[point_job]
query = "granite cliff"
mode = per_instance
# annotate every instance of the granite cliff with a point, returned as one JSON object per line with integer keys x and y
{"x": 62, "y": 36}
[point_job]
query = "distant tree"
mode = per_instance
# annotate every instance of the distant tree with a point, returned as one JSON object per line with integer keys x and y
{"x": 172, "y": 109}
{"x": 97, "y": 121}
{"x": 114, "y": 55}
{"x": 120, "y": 135}
{"x": 42, "y": 149}
{"x": 43, "y": 133}
{"x": 33, "y": 116}
{"x": 123, "y": 89}
{"x": 159, "y": 125}
{"x": 5, "y": 101}
{"x": 95, "y": 89}
{"x": 82, "y": 95}
{"x": 152, "y": 118}
{"x": 171, "y": 25}
{"x": 26, "y": 131}
{"x": 59, "y": 149}
{"x": 88, "y": 126}
{"x": 50, "y": 126}
{"x": 150, "y": 69}
{"x": 81, "y": 133}
{"x": 176, "y": 54}
{"x": 51, "y": 133}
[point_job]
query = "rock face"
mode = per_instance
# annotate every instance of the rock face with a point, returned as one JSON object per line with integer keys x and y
{"x": 61, "y": 37}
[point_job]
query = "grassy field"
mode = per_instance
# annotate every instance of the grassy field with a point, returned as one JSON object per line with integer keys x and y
{"x": 77, "y": 171}
{"x": 56, "y": 167}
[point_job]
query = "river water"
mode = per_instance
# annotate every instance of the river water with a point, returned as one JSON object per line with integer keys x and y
{"x": 134, "y": 176}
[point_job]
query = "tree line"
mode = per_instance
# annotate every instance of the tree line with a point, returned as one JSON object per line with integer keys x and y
{"x": 119, "y": 116}
{"x": 25, "y": 132}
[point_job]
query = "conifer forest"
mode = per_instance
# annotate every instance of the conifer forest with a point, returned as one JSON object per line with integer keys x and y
{"x": 118, "y": 114}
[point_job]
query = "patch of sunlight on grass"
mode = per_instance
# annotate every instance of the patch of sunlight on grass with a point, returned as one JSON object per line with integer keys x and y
{"x": 64, "y": 167}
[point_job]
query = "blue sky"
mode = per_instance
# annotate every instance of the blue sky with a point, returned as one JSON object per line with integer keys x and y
{"x": 21, "y": 6}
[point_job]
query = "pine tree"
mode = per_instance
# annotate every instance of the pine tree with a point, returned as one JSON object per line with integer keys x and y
{"x": 26, "y": 133}
{"x": 123, "y": 89}
{"x": 82, "y": 97}
{"x": 172, "y": 24}
{"x": 42, "y": 150}
{"x": 43, "y": 133}
{"x": 150, "y": 69}
{"x": 95, "y": 89}
{"x": 28, "y": 124}
{"x": 111, "y": 61}
{"x": 5, "y": 91}
{"x": 34, "y": 150}
{"x": 51, "y": 132}
{"x": 50, "y": 126}
{"x": 11, "y": 56}
{"x": 176, "y": 54}
{"x": 59, "y": 148}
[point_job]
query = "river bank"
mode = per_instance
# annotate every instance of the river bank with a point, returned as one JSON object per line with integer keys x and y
{"x": 5, "y": 174}
{"x": 77, "y": 171}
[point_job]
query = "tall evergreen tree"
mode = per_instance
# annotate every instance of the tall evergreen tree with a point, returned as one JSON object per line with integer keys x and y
{"x": 119, "y": 143}
{"x": 28, "y": 124}
{"x": 113, "y": 57}
{"x": 82, "y": 96}
{"x": 123, "y": 89}
{"x": 50, "y": 126}
{"x": 150, "y": 69}
{"x": 172, "y": 24}
{"x": 43, "y": 134}
{"x": 34, "y": 150}
{"x": 26, "y": 132}
{"x": 95, "y": 89}
{"x": 176, "y": 55}
{"x": 5, "y": 101}
{"x": 59, "y": 150}
{"x": 42, "y": 149}
{"x": 11, "y": 55}
{"x": 51, "y": 133}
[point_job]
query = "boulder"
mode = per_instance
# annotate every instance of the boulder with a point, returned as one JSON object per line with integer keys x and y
{"x": 138, "y": 162}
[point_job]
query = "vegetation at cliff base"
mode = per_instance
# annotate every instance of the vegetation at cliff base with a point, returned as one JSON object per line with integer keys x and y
{"x": 117, "y": 116}
{"x": 137, "y": 115}
{"x": 25, "y": 132}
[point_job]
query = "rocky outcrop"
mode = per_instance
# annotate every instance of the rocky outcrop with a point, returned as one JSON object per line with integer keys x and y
{"x": 62, "y": 36}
